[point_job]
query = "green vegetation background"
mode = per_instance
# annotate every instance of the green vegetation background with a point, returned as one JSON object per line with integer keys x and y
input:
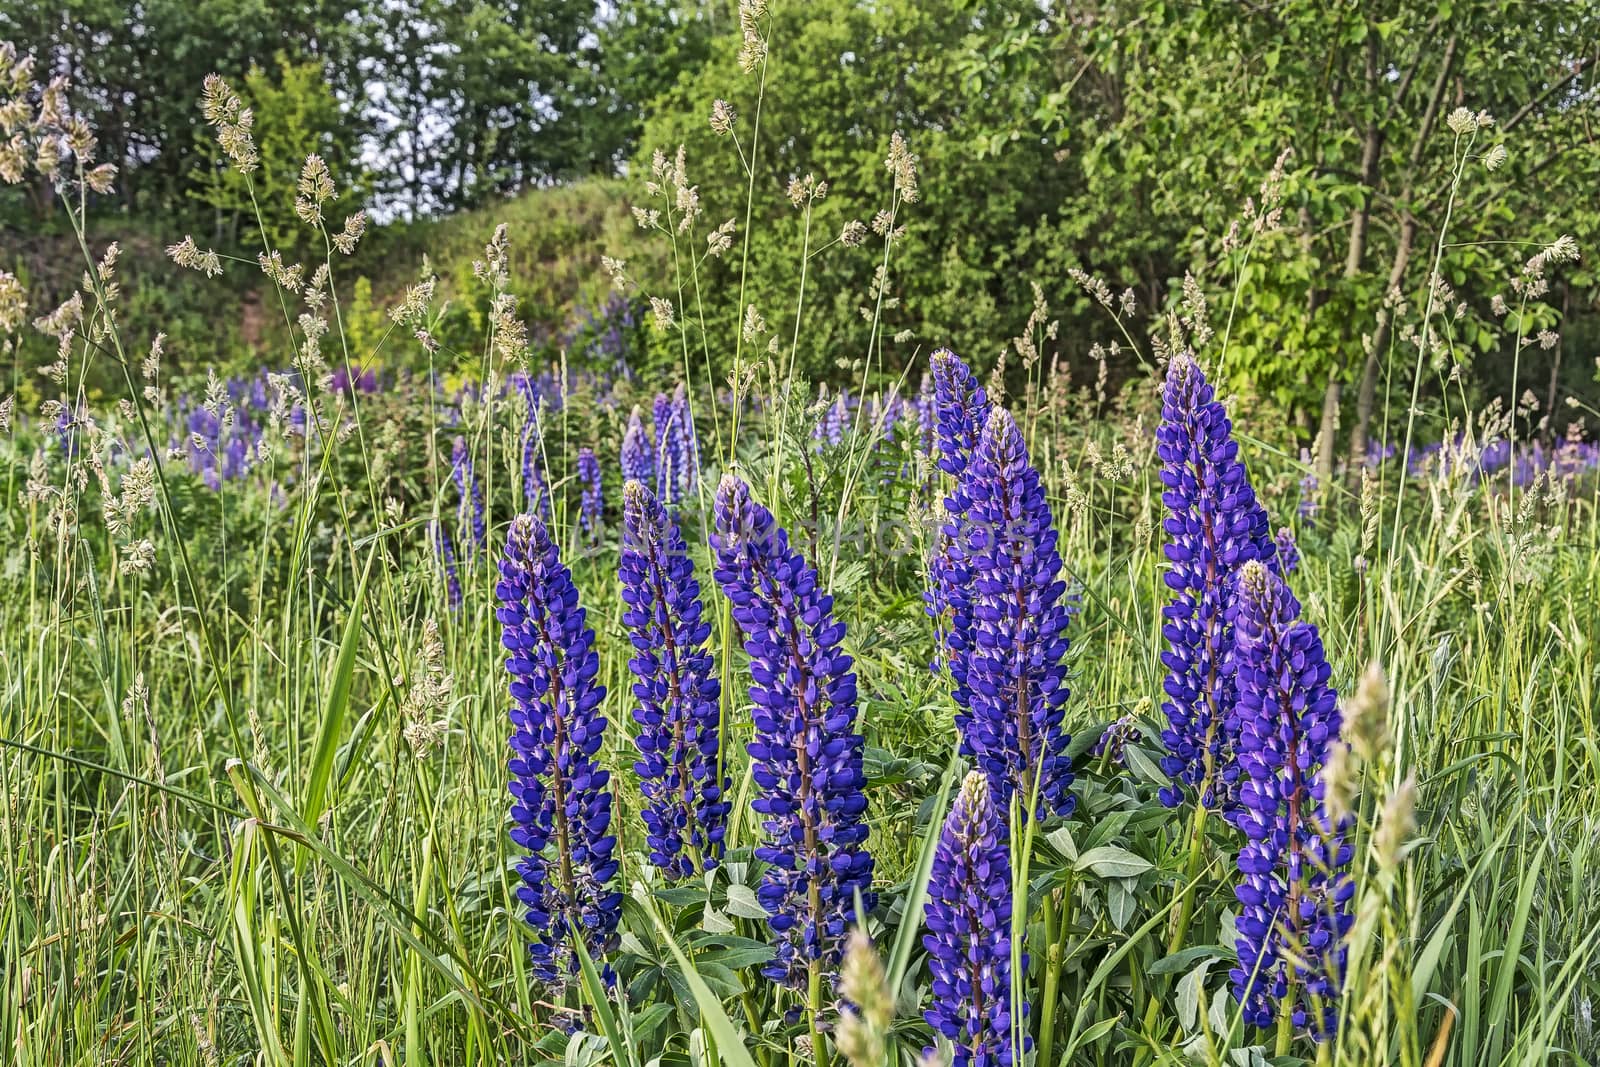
{"x": 1120, "y": 139}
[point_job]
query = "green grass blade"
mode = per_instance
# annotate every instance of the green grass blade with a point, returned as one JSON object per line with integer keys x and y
{"x": 337, "y": 708}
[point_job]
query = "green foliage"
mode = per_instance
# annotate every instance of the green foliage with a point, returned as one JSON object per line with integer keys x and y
{"x": 842, "y": 77}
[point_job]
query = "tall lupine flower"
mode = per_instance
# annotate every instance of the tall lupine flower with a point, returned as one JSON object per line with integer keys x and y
{"x": 685, "y": 443}
{"x": 806, "y": 751}
{"x": 591, "y": 502}
{"x": 968, "y": 916}
{"x": 676, "y": 455}
{"x": 927, "y": 414}
{"x": 469, "y": 509}
{"x": 677, "y": 690}
{"x": 1012, "y": 667}
{"x": 638, "y": 462}
{"x": 447, "y": 560}
{"x": 1214, "y": 526}
{"x": 560, "y": 796}
{"x": 1310, "y": 502}
{"x": 1288, "y": 551}
{"x": 665, "y": 454}
{"x": 960, "y": 410}
{"x": 835, "y": 419}
{"x": 1295, "y": 890}
{"x": 535, "y": 492}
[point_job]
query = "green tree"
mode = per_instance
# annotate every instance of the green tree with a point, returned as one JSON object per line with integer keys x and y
{"x": 1171, "y": 113}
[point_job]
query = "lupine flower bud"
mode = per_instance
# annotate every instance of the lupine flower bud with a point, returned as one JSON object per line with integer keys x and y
{"x": 591, "y": 502}
{"x": 560, "y": 796}
{"x": 469, "y": 509}
{"x": 805, "y": 751}
{"x": 1295, "y": 891}
{"x": 638, "y": 463}
{"x": 677, "y": 690}
{"x": 1114, "y": 741}
{"x": 1013, "y": 668}
{"x": 1214, "y": 526}
{"x": 968, "y": 916}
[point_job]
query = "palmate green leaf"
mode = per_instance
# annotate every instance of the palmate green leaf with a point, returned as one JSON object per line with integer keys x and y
{"x": 734, "y": 953}
{"x": 742, "y": 902}
{"x": 1112, "y": 861}
{"x": 1182, "y": 958}
{"x": 729, "y": 1038}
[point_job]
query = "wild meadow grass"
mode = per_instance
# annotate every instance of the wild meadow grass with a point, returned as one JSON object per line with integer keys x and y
{"x": 253, "y": 740}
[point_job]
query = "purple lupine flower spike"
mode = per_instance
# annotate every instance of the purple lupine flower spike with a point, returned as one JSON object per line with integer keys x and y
{"x": 836, "y": 418}
{"x": 1295, "y": 890}
{"x": 638, "y": 463}
{"x": 666, "y": 452}
{"x": 447, "y": 560}
{"x": 968, "y": 916}
{"x": 686, "y": 444}
{"x": 535, "y": 490}
{"x": 560, "y": 796}
{"x": 960, "y": 409}
{"x": 469, "y": 509}
{"x": 591, "y": 502}
{"x": 686, "y": 813}
{"x": 1288, "y": 551}
{"x": 1013, "y": 672}
{"x": 1214, "y": 525}
{"x": 927, "y": 413}
{"x": 805, "y": 751}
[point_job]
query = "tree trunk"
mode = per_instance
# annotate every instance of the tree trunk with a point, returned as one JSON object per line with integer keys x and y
{"x": 1367, "y": 393}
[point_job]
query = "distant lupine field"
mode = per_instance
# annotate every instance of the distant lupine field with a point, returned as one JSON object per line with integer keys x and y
{"x": 425, "y": 706}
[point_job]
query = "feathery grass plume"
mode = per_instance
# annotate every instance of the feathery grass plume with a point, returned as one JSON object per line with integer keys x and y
{"x": 591, "y": 499}
{"x": 678, "y": 691}
{"x": 1214, "y": 525}
{"x": 868, "y": 1008}
{"x": 469, "y": 506}
{"x": 638, "y": 463}
{"x": 968, "y": 916}
{"x": 561, "y": 800}
{"x": 1295, "y": 891}
{"x": 806, "y": 751}
{"x": 1012, "y": 662}
{"x": 959, "y": 409}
